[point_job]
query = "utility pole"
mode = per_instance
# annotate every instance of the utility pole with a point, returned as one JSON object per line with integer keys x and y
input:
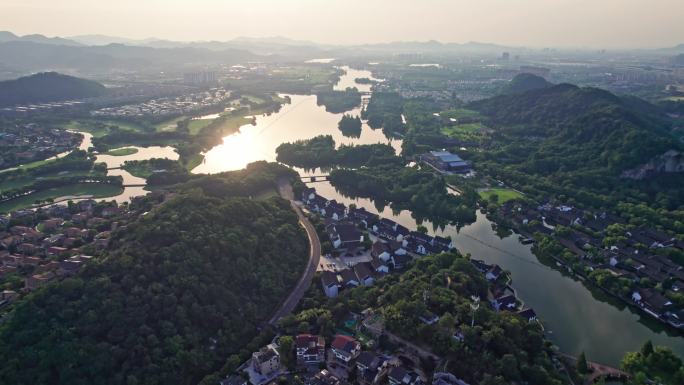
{"x": 474, "y": 306}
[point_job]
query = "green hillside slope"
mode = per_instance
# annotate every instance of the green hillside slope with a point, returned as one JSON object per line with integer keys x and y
{"x": 47, "y": 87}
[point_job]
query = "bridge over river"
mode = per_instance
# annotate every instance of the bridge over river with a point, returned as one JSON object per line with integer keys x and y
{"x": 315, "y": 178}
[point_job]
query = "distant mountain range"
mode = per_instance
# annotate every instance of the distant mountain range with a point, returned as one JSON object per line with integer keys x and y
{"x": 261, "y": 42}
{"x": 94, "y": 54}
{"x": 47, "y": 87}
{"x": 30, "y": 56}
{"x": 6, "y": 36}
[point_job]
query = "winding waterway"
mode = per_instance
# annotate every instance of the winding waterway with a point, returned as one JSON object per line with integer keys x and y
{"x": 301, "y": 119}
{"x": 575, "y": 318}
{"x": 133, "y": 185}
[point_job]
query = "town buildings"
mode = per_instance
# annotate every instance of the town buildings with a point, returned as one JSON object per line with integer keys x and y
{"x": 345, "y": 348}
{"x": 266, "y": 361}
{"x": 393, "y": 249}
{"x": 445, "y": 161}
{"x": 310, "y": 349}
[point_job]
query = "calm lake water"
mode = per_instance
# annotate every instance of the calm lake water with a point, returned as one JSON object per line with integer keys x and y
{"x": 349, "y": 80}
{"x": 575, "y": 318}
{"x": 128, "y": 179}
{"x": 301, "y": 119}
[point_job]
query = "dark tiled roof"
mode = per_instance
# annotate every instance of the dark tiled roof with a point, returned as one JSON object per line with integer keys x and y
{"x": 329, "y": 278}
{"x": 348, "y": 275}
{"x": 363, "y": 270}
{"x": 398, "y": 373}
{"x": 367, "y": 359}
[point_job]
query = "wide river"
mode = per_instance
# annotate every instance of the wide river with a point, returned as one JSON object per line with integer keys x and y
{"x": 575, "y": 318}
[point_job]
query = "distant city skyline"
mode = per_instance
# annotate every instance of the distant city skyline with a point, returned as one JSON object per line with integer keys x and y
{"x": 531, "y": 23}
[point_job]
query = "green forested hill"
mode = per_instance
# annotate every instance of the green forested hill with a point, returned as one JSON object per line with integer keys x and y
{"x": 566, "y": 127}
{"x": 47, "y": 87}
{"x": 182, "y": 289}
{"x": 525, "y": 82}
{"x": 574, "y": 143}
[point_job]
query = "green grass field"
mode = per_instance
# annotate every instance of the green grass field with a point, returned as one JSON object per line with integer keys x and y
{"x": 194, "y": 161}
{"x": 100, "y": 128}
{"x": 23, "y": 181}
{"x": 460, "y": 129}
{"x": 36, "y": 164}
{"x": 141, "y": 171}
{"x": 96, "y": 190}
{"x": 460, "y": 113}
{"x": 253, "y": 99}
{"x": 196, "y": 125}
{"x": 313, "y": 75}
{"x": 504, "y": 194}
{"x": 122, "y": 151}
{"x": 168, "y": 125}
{"x": 231, "y": 124}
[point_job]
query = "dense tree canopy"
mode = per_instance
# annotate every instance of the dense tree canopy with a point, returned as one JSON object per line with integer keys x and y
{"x": 182, "y": 289}
{"x": 658, "y": 364}
{"x": 350, "y": 126}
{"x": 408, "y": 188}
{"x": 384, "y": 111}
{"x": 501, "y": 348}
{"x": 320, "y": 151}
{"x": 339, "y": 101}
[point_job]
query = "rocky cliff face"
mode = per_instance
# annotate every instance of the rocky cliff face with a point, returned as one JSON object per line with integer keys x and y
{"x": 669, "y": 162}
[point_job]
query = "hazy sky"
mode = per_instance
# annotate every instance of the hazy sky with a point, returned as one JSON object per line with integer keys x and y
{"x": 576, "y": 23}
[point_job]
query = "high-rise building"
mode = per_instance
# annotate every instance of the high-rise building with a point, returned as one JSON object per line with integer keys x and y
{"x": 200, "y": 78}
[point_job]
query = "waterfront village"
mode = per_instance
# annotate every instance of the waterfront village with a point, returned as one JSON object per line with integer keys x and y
{"x": 51, "y": 243}
{"x": 168, "y": 106}
{"x": 23, "y": 143}
{"x": 366, "y": 247}
{"x": 370, "y": 248}
{"x": 625, "y": 260}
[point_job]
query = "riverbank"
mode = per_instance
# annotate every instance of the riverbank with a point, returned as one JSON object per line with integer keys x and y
{"x": 580, "y": 251}
{"x": 568, "y": 309}
{"x": 54, "y": 195}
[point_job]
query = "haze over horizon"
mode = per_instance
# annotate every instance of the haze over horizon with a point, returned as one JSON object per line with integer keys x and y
{"x": 536, "y": 23}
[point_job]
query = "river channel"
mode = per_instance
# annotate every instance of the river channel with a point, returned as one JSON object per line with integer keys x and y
{"x": 575, "y": 318}
{"x": 133, "y": 185}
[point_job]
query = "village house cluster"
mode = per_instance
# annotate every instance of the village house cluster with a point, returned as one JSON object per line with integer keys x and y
{"x": 40, "y": 108}
{"x": 502, "y": 296}
{"x": 354, "y": 355}
{"x": 341, "y": 361}
{"x": 626, "y": 256}
{"x": 392, "y": 245}
{"x": 38, "y": 247}
{"x": 463, "y": 89}
{"x": 29, "y": 142}
{"x": 168, "y": 106}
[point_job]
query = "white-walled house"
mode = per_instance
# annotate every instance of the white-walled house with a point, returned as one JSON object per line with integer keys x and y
{"x": 330, "y": 284}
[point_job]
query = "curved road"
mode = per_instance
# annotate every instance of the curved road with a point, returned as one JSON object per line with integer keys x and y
{"x": 285, "y": 190}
